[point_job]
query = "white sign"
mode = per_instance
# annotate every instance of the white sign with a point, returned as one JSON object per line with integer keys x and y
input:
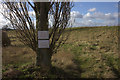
{"x": 43, "y": 43}
{"x": 43, "y": 35}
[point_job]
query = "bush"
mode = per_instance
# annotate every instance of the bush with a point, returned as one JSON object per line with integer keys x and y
{"x": 5, "y": 39}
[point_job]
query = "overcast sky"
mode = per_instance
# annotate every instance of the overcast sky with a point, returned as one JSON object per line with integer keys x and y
{"x": 87, "y": 14}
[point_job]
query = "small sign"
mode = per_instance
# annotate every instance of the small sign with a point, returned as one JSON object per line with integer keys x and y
{"x": 43, "y": 35}
{"x": 43, "y": 43}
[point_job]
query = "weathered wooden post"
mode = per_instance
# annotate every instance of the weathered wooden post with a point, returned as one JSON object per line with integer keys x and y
{"x": 43, "y": 56}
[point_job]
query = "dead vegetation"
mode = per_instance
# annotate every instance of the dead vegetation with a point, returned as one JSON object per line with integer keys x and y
{"x": 88, "y": 53}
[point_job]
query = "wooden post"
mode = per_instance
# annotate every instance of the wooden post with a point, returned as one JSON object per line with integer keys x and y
{"x": 43, "y": 58}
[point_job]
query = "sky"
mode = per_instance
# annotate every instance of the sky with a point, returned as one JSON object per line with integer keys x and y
{"x": 94, "y": 14}
{"x": 87, "y": 14}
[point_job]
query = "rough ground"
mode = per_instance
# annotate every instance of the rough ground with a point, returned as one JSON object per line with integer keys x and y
{"x": 88, "y": 53}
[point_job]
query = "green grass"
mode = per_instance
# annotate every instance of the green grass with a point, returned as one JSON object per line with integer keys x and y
{"x": 88, "y": 53}
{"x": 90, "y": 47}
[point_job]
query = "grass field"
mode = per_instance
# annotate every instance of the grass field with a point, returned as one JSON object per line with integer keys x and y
{"x": 90, "y": 52}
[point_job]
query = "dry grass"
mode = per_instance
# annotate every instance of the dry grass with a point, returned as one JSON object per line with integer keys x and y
{"x": 63, "y": 59}
{"x": 88, "y": 53}
{"x": 92, "y": 48}
{"x": 17, "y": 55}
